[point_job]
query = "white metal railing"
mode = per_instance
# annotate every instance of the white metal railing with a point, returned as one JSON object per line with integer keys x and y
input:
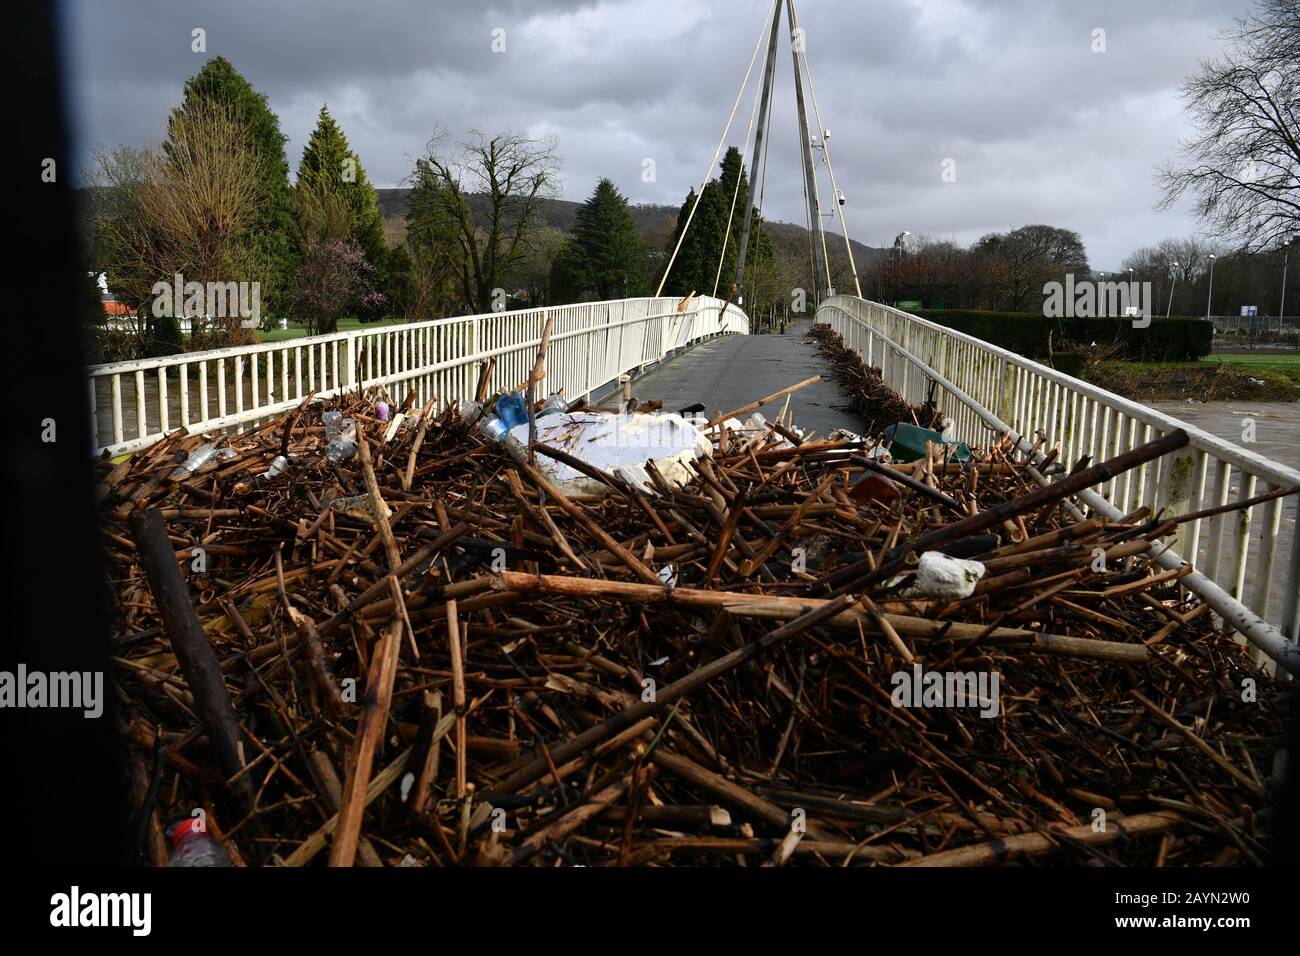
{"x": 986, "y": 391}
{"x": 133, "y": 404}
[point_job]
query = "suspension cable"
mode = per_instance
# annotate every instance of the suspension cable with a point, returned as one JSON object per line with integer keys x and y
{"x": 726, "y": 236}
{"x": 709, "y": 172}
{"x": 826, "y": 150}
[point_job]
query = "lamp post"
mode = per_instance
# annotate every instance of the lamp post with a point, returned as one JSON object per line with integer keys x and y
{"x": 1281, "y": 309}
{"x": 899, "y": 241}
{"x": 1174, "y": 282}
{"x": 1209, "y": 296}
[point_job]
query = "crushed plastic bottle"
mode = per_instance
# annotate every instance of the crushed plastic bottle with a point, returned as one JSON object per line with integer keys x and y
{"x": 200, "y": 457}
{"x": 193, "y": 846}
{"x": 278, "y": 465}
{"x": 340, "y": 436}
{"x": 514, "y": 447}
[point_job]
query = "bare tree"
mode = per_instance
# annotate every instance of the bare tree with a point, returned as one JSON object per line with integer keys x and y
{"x": 118, "y": 232}
{"x": 201, "y": 195}
{"x": 533, "y": 272}
{"x": 492, "y": 190}
{"x": 1243, "y": 165}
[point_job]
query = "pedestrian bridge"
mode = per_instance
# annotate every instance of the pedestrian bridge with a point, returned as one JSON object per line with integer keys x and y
{"x": 1248, "y": 561}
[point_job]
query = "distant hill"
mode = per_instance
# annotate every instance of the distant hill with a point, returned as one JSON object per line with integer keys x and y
{"x": 654, "y": 222}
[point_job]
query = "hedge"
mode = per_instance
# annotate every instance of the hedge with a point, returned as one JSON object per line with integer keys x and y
{"x": 1026, "y": 333}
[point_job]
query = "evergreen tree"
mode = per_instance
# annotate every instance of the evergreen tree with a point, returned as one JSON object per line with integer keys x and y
{"x": 220, "y": 83}
{"x": 696, "y": 267}
{"x": 434, "y": 255}
{"x": 329, "y": 166}
{"x": 605, "y": 257}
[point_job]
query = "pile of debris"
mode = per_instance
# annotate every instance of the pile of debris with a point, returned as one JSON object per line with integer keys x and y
{"x": 878, "y": 404}
{"x": 383, "y": 636}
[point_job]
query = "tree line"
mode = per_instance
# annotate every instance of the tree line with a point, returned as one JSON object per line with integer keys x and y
{"x": 214, "y": 203}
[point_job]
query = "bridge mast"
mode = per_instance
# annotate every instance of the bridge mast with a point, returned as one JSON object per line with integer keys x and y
{"x": 810, "y": 176}
{"x": 768, "y": 74}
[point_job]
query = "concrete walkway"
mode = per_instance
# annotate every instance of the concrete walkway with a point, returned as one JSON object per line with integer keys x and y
{"x": 734, "y": 370}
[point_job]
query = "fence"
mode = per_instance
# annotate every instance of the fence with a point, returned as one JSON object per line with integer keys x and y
{"x": 1270, "y": 330}
{"x": 133, "y": 404}
{"x": 988, "y": 391}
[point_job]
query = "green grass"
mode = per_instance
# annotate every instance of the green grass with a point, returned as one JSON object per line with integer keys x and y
{"x": 1214, "y": 377}
{"x": 1247, "y": 358}
{"x": 297, "y": 331}
{"x": 1262, "y": 366}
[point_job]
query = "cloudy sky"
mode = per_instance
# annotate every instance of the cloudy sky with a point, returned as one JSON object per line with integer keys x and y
{"x": 1040, "y": 127}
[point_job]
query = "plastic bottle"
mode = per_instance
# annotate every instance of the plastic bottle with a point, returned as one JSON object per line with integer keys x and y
{"x": 554, "y": 405}
{"x": 492, "y": 427}
{"x": 511, "y": 409}
{"x": 514, "y": 448}
{"x": 195, "y": 847}
{"x": 278, "y": 465}
{"x": 340, "y": 436}
{"x": 333, "y": 424}
{"x": 470, "y": 413}
{"x": 381, "y": 411}
{"x": 200, "y": 457}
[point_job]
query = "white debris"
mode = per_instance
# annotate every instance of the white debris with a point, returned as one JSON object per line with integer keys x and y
{"x": 618, "y": 443}
{"x": 939, "y": 576}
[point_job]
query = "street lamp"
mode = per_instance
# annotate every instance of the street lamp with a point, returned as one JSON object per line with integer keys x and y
{"x": 1173, "y": 276}
{"x": 899, "y": 241}
{"x": 1209, "y": 296}
{"x": 1281, "y": 310}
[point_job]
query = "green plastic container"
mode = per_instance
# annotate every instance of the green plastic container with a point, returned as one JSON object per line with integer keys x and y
{"x": 907, "y": 443}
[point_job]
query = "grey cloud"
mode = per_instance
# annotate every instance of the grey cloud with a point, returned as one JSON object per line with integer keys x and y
{"x": 1042, "y": 129}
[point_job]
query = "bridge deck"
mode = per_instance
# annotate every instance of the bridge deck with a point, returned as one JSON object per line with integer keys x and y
{"x": 734, "y": 370}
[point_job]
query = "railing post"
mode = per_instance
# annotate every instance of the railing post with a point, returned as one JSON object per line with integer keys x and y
{"x": 1291, "y": 595}
{"x": 352, "y": 360}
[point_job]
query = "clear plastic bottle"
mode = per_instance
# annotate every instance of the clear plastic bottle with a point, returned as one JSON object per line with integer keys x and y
{"x": 492, "y": 428}
{"x": 196, "y": 460}
{"x": 192, "y": 846}
{"x": 554, "y": 405}
{"x": 470, "y": 413}
{"x": 200, "y": 457}
{"x": 340, "y": 436}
